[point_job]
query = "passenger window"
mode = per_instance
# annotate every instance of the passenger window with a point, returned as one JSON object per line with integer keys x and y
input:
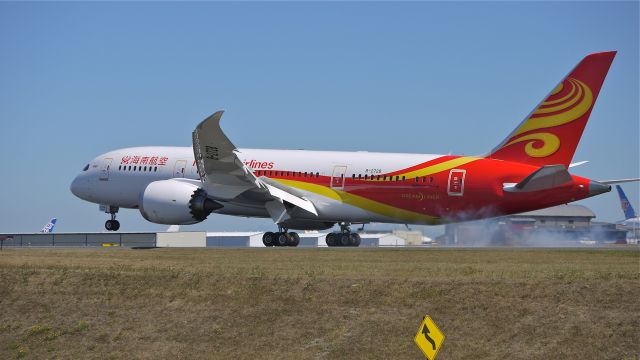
{"x": 353, "y": 176}
{"x": 424, "y": 179}
{"x": 397, "y": 178}
{"x": 155, "y": 168}
{"x": 318, "y": 174}
{"x": 430, "y": 179}
{"x": 365, "y": 176}
{"x": 145, "y": 169}
{"x": 384, "y": 178}
{"x": 403, "y": 178}
{"x": 129, "y": 167}
{"x": 378, "y": 178}
{"x": 119, "y": 167}
{"x": 288, "y": 173}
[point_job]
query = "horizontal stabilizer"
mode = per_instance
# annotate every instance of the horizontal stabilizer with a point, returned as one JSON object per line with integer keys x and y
{"x": 546, "y": 177}
{"x": 619, "y": 181}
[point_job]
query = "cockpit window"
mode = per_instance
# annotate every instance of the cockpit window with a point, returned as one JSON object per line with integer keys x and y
{"x": 86, "y": 168}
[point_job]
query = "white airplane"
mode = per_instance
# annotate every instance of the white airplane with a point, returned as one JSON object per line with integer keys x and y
{"x": 313, "y": 190}
{"x": 631, "y": 220}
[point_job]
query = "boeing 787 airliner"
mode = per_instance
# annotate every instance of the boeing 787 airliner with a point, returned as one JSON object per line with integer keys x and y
{"x": 316, "y": 189}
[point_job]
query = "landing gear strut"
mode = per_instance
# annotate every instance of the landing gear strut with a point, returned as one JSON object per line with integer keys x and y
{"x": 113, "y": 224}
{"x": 280, "y": 238}
{"x": 344, "y": 237}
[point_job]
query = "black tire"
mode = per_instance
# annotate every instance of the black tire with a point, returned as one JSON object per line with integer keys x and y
{"x": 345, "y": 240}
{"x": 116, "y": 225}
{"x": 355, "y": 239}
{"x": 295, "y": 239}
{"x": 268, "y": 239}
{"x": 331, "y": 239}
{"x": 108, "y": 225}
{"x": 282, "y": 239}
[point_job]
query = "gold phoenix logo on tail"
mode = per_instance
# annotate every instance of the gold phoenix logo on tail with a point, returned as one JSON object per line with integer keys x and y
{"x": 558, "y": 109}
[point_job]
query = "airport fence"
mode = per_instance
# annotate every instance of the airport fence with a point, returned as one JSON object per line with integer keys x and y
{"x": 130, "y": 240}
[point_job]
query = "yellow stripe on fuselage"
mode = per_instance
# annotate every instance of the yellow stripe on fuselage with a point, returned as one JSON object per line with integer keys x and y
{"x": 362, "y": 202}
{"x": 443, "y": 166}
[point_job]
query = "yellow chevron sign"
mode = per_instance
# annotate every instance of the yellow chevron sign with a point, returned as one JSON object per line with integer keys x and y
{"x": 429, "y": 338}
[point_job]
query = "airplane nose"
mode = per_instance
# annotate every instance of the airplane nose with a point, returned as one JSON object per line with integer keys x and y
{"x": 75, "y": 187}
{"x": 79, "y": 187}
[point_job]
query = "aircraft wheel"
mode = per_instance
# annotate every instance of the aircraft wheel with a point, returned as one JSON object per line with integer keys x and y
{"x": 268, "y": 239}
{"x": 282, "y": 239}
{"x": 355, "y": 239}
{"x": 345, "y": 240}
{"x": 331, "y": 239}
{"x": 109, "y": 225}
{"x": 295, "y": 239}
{"x": 116, "y": 225}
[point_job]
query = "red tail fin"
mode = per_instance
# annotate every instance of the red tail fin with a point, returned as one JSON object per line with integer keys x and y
{"x": 550, "y": 134}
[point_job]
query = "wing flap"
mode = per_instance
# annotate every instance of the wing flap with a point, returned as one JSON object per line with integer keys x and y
{"x": 286, "y": 193}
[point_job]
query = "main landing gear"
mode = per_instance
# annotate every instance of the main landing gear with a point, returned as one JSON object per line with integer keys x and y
{"x": 344, "y": 237}
{"x": 280, "y": 238}
{"x": 113, "y": 224}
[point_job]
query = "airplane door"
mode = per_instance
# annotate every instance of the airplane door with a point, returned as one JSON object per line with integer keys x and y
{"x": 180, "y": 169}
{"x": 337, "y": 179}
{"x": 456, "y": 182}
{"x": 105, "y": 167}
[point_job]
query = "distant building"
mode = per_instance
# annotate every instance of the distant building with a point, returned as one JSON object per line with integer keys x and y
{"x": 558, "y": 225}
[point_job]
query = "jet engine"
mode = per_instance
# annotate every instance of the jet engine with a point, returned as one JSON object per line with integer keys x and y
{"x": 174, "y": 202}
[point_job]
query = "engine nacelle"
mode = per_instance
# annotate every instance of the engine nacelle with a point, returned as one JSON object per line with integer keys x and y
{"x": 172, "y": 202}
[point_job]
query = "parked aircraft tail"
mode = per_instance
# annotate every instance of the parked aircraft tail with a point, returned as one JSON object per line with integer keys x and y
{"x": 629, "y": 213}
{"x": 48, "y": 228}
{"x": 551, "y": 132}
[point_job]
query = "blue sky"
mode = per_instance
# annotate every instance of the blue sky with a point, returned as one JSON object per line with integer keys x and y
{"x": 80, "y": 79}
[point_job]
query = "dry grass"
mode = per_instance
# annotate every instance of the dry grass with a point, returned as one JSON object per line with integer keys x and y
{"x": 318, "y": 303}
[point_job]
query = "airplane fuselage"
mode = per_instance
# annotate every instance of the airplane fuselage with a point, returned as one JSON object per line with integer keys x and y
{"x": 357, "y": 187}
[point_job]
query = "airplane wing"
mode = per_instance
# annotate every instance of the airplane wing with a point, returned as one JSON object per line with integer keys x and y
{"x": 221, "y": 169}
{"x": 217, "y": 161}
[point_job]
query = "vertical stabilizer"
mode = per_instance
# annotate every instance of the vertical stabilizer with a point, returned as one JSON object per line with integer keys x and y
{"x": 627, "y": 209}
{"x": 550, "y": 134}
{"x": 48, "y": 228}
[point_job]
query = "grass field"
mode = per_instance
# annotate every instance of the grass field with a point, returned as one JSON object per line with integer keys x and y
{"x": 318, "y": 303}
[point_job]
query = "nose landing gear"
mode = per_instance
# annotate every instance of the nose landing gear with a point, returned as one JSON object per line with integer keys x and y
{"x": 113, "y": 224}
